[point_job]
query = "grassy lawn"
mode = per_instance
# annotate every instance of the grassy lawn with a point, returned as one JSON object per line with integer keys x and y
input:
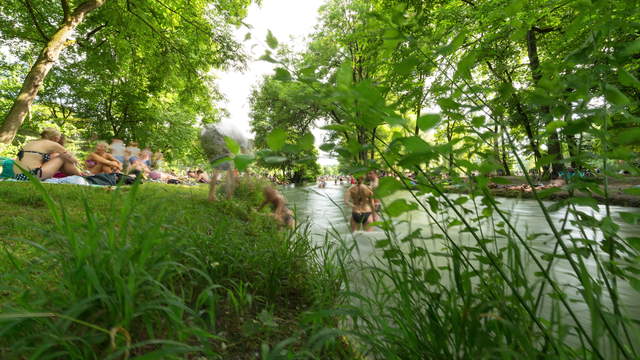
{"x": 154, "y": 270}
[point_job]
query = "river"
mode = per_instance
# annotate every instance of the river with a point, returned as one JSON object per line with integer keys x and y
{"x": 325, "y": 210}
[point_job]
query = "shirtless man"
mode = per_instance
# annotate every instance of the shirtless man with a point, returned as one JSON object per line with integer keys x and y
{"x": 374, "y": 181}
{"x": 360, "y": 198}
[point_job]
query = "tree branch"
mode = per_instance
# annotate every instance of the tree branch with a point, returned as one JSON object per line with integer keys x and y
{"x": 544, "y": 30}
{"x": 32, "y": 13}
{"x": 92, "y": 32}
{"x": 65, "y": 9}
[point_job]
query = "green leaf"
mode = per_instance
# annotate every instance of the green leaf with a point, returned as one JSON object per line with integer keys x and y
{"x": 635, "y": 283}
{"x": 627, "y": 79}
{"x": 406, "y": 66}
{"x": 448, "y": 104}
{"x": 387, "y": 186}
{"x": 631, "y": 49}
{"x": 267, "y": 57}
{"x": 399, "y": 207}
{"x": 630, "y": 218}
{"x": 307, "y": 141}
{"x": 282, "y": 74}
{"x": 337, "y": 127}
{"x": 615, "y": 96}
{"x": 609, "y": 227}
{"x": 628, "y": 136}
{"x": 432, "y": 276}
{"x": 220, "y": 161}
{"x": 243, "y": 161}
{"x": 477, "y": 121}
{"x": 327, "y": 147}
{"x": 271, "y": 40}
{"x": 232, "y": 145}
{"x": 465, "y": 65}
{"x": 428, "y": 121}
{"x": 276, "y": 139}
{"x": 584, "y": 201}
{"x": 382, "y": 243}
{"x": 548, "y": 192}
{"x": 454, "y": 44}
{"x": 414, "y": 144}
{"x": 554, "y": 125}
{"x": 275, "y": 159}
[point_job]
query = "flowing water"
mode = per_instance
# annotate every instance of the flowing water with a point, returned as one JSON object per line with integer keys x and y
{"x": 325, "y": 210}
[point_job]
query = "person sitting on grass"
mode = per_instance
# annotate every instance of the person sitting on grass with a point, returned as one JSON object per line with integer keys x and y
{"x": 202, "y": 177}
{"x": 132, "y": 152}
{"x": 279, "y": 209}
{"x": 36, "y": 158}
{"x": 118, "y": 150}
{"x": 138, "y": 168}
{"x": 157, "y": 160}
{"x": 145, "y": 157}
{"x": 360, "y": 198}
{"x": 100, "y": 161}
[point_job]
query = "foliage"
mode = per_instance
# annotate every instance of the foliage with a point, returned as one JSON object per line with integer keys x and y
{"x": 152, "y": 271}
{"x": 135, "y": 70}
{"x": 532, "y": 87}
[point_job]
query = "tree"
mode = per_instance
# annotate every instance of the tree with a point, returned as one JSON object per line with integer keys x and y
{"x": 183, "y": 38}
{"x": 48, "y": 56}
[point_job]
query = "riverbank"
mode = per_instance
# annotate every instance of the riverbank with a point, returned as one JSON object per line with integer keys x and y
{"x": 153, "y": 270}
{"x": 624, "y": 191}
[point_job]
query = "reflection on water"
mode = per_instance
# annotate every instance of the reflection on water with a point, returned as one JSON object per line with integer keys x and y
{"x": 325, "y": 210}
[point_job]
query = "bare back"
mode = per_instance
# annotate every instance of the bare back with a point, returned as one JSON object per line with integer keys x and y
{"x": 32, "y": 160}
{"x": 361, "y": 198}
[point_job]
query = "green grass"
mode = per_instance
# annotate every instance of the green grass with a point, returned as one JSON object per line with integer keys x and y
{"x": 152, "y": 271}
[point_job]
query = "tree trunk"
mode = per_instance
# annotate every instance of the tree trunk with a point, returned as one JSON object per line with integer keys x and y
{"x": 553, "y": 143}
{"x": 572, "y": 147}
{"x": 505, "y": 155}
{"x": 48, "y": 56}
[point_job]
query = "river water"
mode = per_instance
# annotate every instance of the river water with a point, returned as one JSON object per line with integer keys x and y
{"x": 325, "y": 210}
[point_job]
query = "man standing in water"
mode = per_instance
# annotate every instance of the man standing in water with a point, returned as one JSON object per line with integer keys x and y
{"x": 360, "y": 198}
{"x": 372, "y": 177}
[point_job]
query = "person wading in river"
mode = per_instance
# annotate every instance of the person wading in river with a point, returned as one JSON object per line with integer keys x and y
{"x": 372, "y": 177}
{"x": 360, "y": 198}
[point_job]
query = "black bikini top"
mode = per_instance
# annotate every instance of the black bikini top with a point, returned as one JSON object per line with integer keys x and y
{"x": 45, "y": 157}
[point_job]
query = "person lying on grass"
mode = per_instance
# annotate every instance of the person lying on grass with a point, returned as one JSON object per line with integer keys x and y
{"x": 279, "y": 209}
{"x": 36, "y": 159}
{"x": 100, "y": 161}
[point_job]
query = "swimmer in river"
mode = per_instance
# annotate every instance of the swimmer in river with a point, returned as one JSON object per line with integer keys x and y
{"x": 360, "y": 198}
{"x": 279, "y": 209}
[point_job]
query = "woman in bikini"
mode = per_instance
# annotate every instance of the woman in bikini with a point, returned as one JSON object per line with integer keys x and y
{"x": 360, "y": 198}
{"x": 100, "y": 161}
{"x": 279, "y": 209}
{"x": 35, "y": 158}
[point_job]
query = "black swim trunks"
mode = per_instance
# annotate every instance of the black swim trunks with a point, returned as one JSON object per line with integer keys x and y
{"x": 360, "y": 218}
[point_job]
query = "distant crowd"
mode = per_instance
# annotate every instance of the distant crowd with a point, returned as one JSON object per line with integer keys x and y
{"x": 47, "y": 158}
